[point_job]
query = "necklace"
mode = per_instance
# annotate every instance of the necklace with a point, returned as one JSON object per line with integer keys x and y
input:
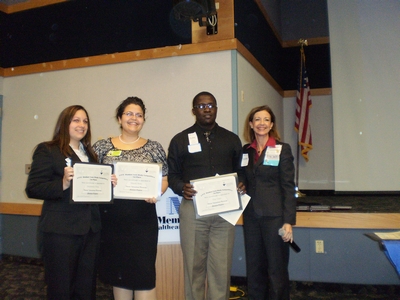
{"x": 119, "y": 137}
{"x": 260, "y": 149}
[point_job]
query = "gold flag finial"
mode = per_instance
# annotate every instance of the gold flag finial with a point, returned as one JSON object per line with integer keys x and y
{"x": 302, "y": 42}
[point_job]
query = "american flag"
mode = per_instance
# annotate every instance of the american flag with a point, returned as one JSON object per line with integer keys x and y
{"x": 303, "y": 105}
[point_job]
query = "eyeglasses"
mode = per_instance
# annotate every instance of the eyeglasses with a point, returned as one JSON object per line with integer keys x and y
{"x": 131, "y": 114}
{"x": 203, "y": 106}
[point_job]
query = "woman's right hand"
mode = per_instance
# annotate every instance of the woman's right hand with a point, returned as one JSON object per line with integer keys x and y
{"x": 68, "y": 175}
{"x": 114, "y": 180}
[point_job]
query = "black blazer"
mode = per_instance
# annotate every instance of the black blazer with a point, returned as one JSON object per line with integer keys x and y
{"x": 45, "y": 182}
{"x": 272, "y": 189}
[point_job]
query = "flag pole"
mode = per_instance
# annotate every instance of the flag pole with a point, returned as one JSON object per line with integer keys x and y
{"x": 302, "y": 43}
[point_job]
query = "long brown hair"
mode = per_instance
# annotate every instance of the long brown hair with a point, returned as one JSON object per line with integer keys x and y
{"x": 248, "y": 132}
{"x": 61, "y": 136}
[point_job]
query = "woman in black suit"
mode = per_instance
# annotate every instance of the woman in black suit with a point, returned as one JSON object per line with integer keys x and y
{"x": 69, "y": 233}
{"x": 270, "y": 183}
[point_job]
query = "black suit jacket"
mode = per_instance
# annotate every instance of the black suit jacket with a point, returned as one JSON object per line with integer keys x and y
{"x": 272, "y": 189}
{"x": 45, "y": 182}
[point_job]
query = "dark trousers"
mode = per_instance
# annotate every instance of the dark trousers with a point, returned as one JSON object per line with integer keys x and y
{"x": 70, "y": 265}
{"x": 267, "y": 257}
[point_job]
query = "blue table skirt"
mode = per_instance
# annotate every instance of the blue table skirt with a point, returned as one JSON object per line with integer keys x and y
{"x": 392, "y": 251}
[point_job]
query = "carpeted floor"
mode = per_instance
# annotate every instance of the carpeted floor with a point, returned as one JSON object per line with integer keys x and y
{"x": 23, "y": 279}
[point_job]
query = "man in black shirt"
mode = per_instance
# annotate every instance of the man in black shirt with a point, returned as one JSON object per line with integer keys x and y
{"x": 204, "y": 150}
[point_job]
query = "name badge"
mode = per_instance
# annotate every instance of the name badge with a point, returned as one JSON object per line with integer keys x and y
{"x": 194, "y": 148}
{"x": 194, "y": 145}
{"x": 272, "y": 154}
{"x": 193, "y": 138}
{"x": 245, "y": 160}
{"x": 114, "y": 153}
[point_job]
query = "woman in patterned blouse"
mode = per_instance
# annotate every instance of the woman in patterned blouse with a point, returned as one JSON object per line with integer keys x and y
{"x": 129, "y": 236}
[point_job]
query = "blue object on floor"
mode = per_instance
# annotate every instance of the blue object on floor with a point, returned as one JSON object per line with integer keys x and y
{"x": 392, "y": 251}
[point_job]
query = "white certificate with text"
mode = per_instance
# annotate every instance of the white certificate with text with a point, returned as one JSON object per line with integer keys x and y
{"x": 138, "y": 181}
{"x": 91, "y": 183}
{"x": 217, "y": 194}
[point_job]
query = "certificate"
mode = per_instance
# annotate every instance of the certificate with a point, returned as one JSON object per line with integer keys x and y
{"x": 138, "y": 181}
{"x": 91, "y": 183}
{"x": 217, "y": 194}
{"x": 233, "y": 216}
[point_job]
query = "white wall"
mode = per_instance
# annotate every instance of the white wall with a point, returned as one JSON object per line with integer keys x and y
{"x": 253, "y": 90}
{"x": 365, "y": 44}
{"x": 167, "y": 86}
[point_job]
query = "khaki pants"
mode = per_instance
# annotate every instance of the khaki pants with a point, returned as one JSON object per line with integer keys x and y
{"x": 207, "y": 246}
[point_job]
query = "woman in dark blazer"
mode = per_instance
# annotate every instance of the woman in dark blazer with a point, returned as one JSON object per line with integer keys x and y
{"x": 270, "y": 184}
{"x": 68, "y": 233}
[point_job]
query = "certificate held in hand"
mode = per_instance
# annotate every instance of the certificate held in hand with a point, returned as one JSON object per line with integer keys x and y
{"x": 215, "y": 195}
{"x": 91, "y": 183}
{"x": 138, "y": 181}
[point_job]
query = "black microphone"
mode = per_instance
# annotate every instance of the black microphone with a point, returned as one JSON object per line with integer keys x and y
{"x": 294, "y": 246}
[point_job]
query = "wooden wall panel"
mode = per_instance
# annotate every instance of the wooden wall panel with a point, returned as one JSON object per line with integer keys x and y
{"x": 169, "y": 272}
{"x": 304, "y": 219}
{"x": 29, "y": 4}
